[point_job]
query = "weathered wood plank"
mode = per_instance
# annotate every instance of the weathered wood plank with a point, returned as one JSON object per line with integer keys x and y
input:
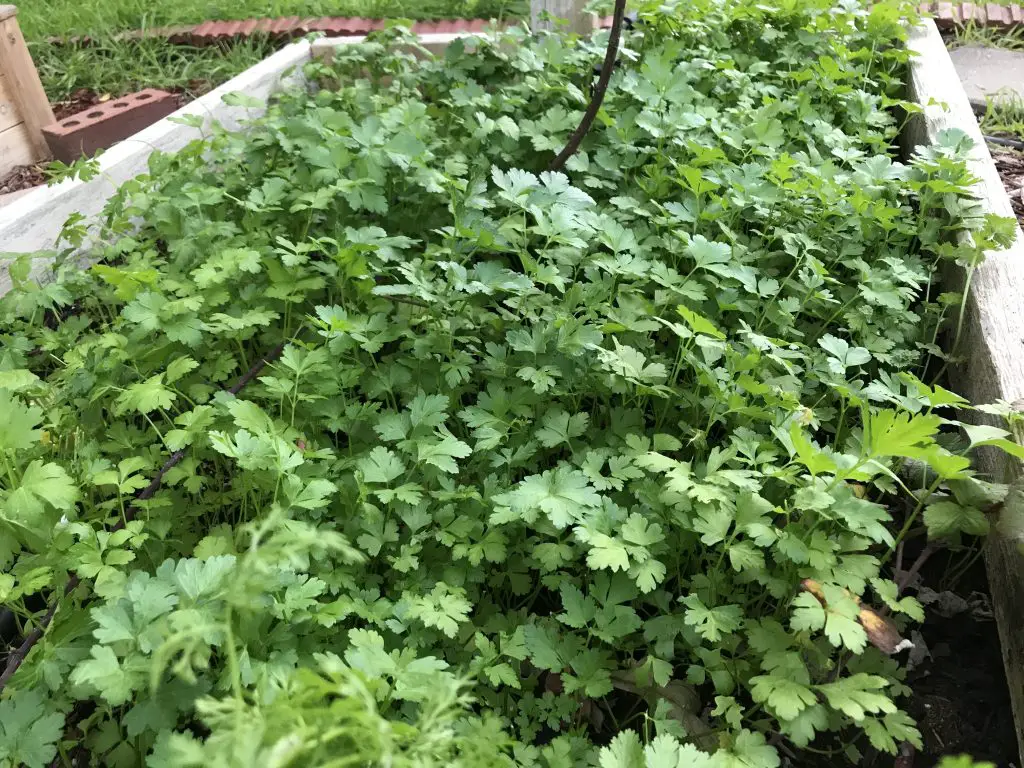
{"x": 994, "y": 328}
{"x": 9, "y": 197}
{"x": 33, "y": 222}
{"x": 435, "y": 43}
{"x": 579, "y": 20}
{"x": 23, "y": 81}
{"x": 9, "y": 112}
{"x": 15, "y": 148}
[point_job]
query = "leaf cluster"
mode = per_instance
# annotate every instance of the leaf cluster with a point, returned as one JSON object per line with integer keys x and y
{"x": 579, "y": 437}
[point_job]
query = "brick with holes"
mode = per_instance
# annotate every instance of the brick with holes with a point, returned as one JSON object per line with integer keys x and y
{"x": 106, "y": 124}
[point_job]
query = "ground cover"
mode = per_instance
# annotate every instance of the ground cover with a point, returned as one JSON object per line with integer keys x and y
{"x": 608, "y": 467}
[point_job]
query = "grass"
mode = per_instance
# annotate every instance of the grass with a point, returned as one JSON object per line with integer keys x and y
{"x": 108, "y": 65}
{"x": 58, "y": 18}
{"x": 1004, "y": 116}
{"x": 119, "y": 67}
{"x": 988, "y": 37}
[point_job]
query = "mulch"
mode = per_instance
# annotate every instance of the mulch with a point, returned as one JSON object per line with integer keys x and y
{"x": 22, "y": 177}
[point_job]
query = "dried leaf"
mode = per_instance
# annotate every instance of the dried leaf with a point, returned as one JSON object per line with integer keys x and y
{"x": 881, "y": 632}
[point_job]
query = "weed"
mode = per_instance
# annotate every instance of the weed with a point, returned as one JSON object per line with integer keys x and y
{"x": 989, "y": 37}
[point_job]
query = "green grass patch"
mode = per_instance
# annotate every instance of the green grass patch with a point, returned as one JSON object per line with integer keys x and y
{"x": 119, "y": 67}
{"x": 1004, "y": 115}
{"x": 48, "y": 18}
{"x": 989, "y": 37}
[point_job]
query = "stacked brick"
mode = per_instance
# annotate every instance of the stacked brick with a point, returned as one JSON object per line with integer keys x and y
{"x": 286, "y": 28}
{"x": 950, "y": 15}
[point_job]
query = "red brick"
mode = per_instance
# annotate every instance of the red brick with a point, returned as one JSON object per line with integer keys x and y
{"x": 970, "y": 12}
{"x": 998, "y": 16}
{"x": 108, "y": 123}
{"x": 289, "y": 24}
{"x": 449, "y": 27}
{"x": 202, "y": 29}
{"x": 1016, "y": 14}
{"x": 944, "y": 15}
{"x": 345, "y": 27}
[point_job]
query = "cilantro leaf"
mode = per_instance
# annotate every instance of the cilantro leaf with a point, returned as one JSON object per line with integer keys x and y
{"x": 563, "y": 494}
{"x": 380, "y": 466}
{"x": 29, "y": 730}
{"x": 41, "y": 485}
{"x": 559, "y": 427}
{"x": 858, "y": 695}
{"x": 18, "y": 427}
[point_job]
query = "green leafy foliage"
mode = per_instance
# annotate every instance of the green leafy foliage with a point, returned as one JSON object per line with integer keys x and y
{"x": 539, "y": 446}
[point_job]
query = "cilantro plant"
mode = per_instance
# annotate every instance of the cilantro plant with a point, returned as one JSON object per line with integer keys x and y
{"x": 545, "y": 458}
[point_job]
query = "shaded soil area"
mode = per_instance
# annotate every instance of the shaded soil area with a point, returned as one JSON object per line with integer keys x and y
{"x": 1010, "y": 164}
{"x": 26, "y": 176}
{"x": 960, "y": 700}
{"x": 22, "y": 177}
{"x": 79, "y": 101}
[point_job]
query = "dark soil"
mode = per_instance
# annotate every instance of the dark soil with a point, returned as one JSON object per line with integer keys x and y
{"x": 79, "y": 101}
{"x": 1010, "y": 165}
{"x": 22, "y": 177}
{"x": 960, "y": 700}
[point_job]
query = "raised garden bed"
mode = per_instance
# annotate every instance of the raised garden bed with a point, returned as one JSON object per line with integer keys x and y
{"x": 608, "y": 545}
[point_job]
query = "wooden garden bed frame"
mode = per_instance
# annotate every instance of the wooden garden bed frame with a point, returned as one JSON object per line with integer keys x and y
{"x": 24, "y": 109}
{"x": 994, "y": 326}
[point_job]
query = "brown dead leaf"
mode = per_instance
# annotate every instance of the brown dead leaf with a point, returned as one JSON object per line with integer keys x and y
{"x": 814, "y": 587}
{"x": 881, "y": 632}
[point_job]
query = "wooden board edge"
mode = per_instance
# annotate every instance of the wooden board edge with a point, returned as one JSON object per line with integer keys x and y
{"x": 10, "y": 111}
{"x": 993, "y": 338}
{"x": 435, "y": 42}
{"x": 34, "y": 222}
{"x": 25, "y": 85}
{"x": 16, "y": 148}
